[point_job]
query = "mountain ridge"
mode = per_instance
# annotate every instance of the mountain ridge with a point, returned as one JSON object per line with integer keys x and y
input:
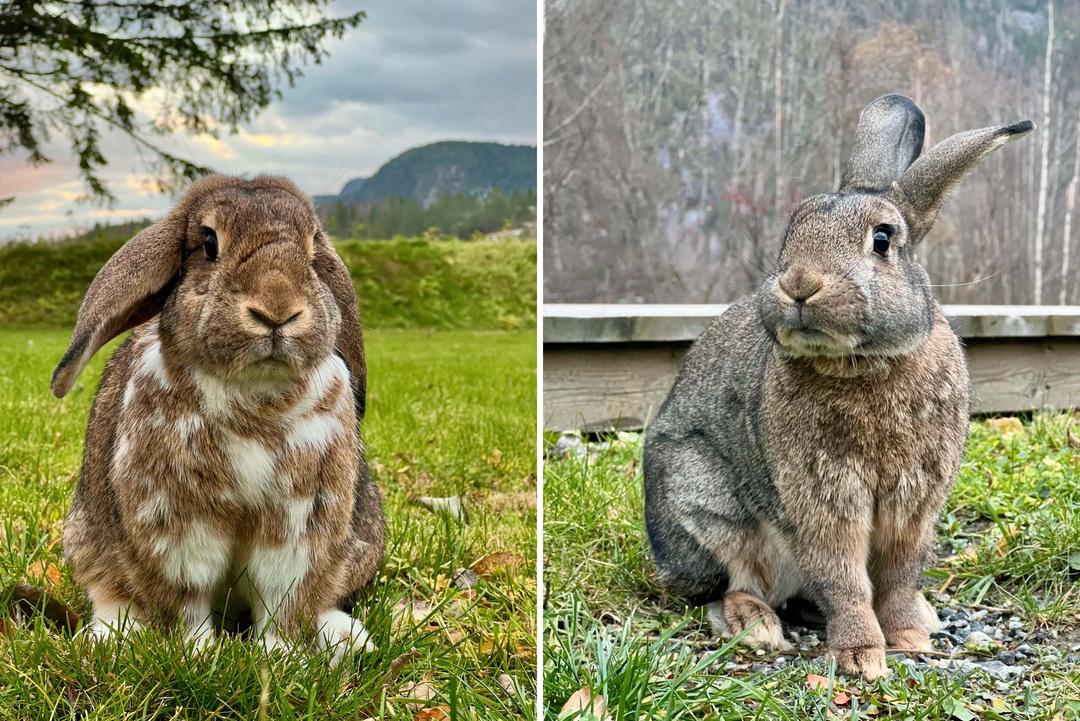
{"x": 449, "y": 167}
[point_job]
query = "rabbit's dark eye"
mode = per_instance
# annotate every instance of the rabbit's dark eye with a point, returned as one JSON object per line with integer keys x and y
{"x": 881, "y": 240}
{"x": 210, "y": 245}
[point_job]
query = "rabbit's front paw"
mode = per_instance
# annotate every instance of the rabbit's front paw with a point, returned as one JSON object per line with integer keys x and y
{"x": 344, "y": 634}
{"x": 740, "y": 612}
{"x": 865, "y": 661}
{"x": 910, "y": 639}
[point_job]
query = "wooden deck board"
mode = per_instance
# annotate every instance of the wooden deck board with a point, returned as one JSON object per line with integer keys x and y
{"x": 610, "y": 367}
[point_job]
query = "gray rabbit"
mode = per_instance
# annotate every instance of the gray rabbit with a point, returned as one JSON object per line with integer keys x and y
{"x": 815, "y": 428}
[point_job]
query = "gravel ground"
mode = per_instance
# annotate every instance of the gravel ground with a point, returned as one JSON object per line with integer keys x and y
{"x": 992, "y": 644}
{"x": 989, "y": 641}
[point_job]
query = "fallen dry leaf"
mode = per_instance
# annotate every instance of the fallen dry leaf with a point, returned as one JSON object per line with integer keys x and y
{"x": 418, "y": 693}
{"x": 841, "y": 699}
{"x": 584, "y": 700}
{"x": 1007, "y": 427}
{"x": 433, "y": 713}
{"x": 815, "y": 681}
{"x": 498, "y": 562}
{"x": 28, "y": 599}
{"x": 1074, "y": 440}
{"x": 42, "y": 571}
{"x": 415, "y": 611}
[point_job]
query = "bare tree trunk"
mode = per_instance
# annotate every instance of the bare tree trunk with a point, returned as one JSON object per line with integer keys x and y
{"x": 1040, "y": 217}
{"x": 1070, "y": 206}
{"x": 778, "y": 111}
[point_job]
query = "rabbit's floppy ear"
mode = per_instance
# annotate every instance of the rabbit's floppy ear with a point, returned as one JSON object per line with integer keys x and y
{"x": 128, "y": 290}
{"x": 350, "y": 342}
{"x": 888, "y": 139}
{"x": 922, "y": 189}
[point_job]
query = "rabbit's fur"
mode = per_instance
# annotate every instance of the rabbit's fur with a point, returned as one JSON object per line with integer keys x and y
{"x": 223, "y": 456}
{"x": 815, "y": 428}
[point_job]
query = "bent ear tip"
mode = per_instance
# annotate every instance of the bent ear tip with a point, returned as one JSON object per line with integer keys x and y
{"x": 60, "y": 384}
{"x": 1018, "y": 130}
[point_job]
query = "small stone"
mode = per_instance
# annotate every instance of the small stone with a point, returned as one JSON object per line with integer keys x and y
{"x": 1015, "y": 624}
{"x": 596, "y": 449}
{"x": 1024, "y": 649}
{"x": 759, "y": 652}
{"x": 1001, "y": 686}
{"x": 976, "y": 627}
{"x": 451, "y": 506}
{"x": 978, "y": 641}
{"x": 506, "y": 683}
{"x": 1007, "y": 657}
{"x": 978, "y": 615}
{"x": 1000, "y": 671}
{"x": 568, "y": 445}
{"x": 465, "y": 578}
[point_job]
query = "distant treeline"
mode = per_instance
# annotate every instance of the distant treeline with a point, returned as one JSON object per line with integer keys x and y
{"x": 458, "y": 215}
{"x": 679, "y": 136}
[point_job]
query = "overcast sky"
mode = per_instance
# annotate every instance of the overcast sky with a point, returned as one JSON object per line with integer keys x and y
{"x": 414, "y": 72}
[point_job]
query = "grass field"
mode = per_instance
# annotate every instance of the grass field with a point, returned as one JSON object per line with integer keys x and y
{"x": 450, "y": 412}
{"x": 1010, "y": 539}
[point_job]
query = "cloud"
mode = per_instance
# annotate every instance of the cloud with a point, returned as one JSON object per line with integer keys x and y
{"x": 412, "y": 73}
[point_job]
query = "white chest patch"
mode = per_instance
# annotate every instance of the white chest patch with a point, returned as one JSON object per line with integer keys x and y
{"x": 316, "y": 430}
{"x": 253, "y": 466}
{"x": 199, "y": 557}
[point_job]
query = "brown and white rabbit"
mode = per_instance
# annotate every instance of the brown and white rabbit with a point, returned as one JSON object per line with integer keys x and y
{"x": 815, "y": 428}
{"x": 223, "y": 455}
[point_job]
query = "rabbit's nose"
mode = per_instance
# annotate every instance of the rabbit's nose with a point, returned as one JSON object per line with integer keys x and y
{"x": 272, "y": 321}
{"x": 801, "y": 285}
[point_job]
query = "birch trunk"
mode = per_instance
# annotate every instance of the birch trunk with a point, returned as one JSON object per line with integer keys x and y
{"x": 1070, "y": 206}
{"x": 1040, "y": 217}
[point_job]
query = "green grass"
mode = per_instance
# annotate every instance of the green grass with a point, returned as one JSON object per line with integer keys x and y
{"x": 401, "y": 283}
{"x": 610, "y": 627}
{"x": 450, "y": 412}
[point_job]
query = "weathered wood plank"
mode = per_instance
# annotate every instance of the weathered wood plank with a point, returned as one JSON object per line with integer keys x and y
{"x": 607, "y": 386}
{"x": 603, "y": 323}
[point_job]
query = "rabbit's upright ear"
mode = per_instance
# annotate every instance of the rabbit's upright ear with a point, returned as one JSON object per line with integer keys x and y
{"x": 350, "y": 342}
{"x": 922, "y": 189}
{"x": 888, "y": 139}
{"x": 128, "y": 290}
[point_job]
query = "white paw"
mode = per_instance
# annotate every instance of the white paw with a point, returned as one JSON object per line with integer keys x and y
{"x": 343, "y": 633}
{"x": 114, "y": 623}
